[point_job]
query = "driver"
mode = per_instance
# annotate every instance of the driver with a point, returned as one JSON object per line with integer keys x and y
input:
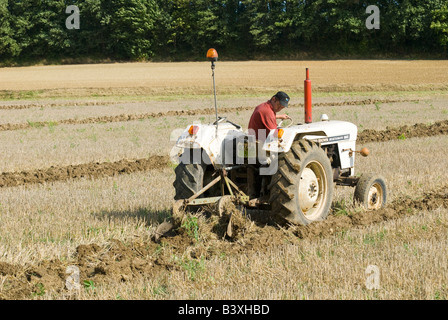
{"x": 263, "y": 120}
{"x": 264, "y": 117}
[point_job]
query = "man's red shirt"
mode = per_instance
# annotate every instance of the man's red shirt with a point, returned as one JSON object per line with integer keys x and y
{"x": 263, "y": 120}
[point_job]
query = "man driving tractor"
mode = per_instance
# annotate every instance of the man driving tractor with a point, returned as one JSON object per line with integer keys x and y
{"x": 264, "y": 117}
{"x": 263, "y": 120}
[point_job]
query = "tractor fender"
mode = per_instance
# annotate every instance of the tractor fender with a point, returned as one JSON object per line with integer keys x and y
{"x": 210, "y": 139}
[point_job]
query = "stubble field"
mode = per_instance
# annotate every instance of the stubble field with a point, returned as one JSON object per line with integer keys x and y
{"x": 86, "y": 178}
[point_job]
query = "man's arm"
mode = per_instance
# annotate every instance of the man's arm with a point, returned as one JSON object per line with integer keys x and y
{"x": 282, "y": 116}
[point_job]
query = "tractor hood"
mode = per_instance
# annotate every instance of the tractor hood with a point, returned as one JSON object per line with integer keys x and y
{"x": 324, "y": 132}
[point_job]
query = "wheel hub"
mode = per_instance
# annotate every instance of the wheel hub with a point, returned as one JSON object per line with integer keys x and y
{"x": 308, "y": 189}
{"x": 375, "y": 197}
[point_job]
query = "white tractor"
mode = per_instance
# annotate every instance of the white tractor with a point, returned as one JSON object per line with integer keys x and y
{"x": 296, "y": 167}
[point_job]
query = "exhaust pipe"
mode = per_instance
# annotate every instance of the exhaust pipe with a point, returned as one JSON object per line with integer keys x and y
{"x": 308, "y": 109}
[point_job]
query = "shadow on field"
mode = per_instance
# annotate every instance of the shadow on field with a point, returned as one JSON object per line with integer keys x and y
{"x": 146, "y": 215}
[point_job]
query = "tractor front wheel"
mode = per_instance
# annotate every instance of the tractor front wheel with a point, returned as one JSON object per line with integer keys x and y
{"x": 371, "y": 192}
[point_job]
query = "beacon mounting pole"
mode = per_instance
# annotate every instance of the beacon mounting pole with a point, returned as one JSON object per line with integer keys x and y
{"x": 214, "y": 90}
{"x": 212, "y": 55}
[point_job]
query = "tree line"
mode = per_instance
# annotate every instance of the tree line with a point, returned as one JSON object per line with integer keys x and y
{"x": 129, "y": 30}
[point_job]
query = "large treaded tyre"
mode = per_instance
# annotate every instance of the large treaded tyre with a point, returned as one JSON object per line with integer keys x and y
{"x": 189, "y": 174}
{"x": 189, "y": 180}
{"x": 302, "y": 189}
{"x": 193, "y": 173}
{"x": 371, "y": 192}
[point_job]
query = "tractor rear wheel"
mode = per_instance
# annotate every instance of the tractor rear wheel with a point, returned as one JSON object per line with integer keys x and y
{"x": 189, "y": 180}
{"x": 192, "y": 174}
{"x": 301, "y": 191}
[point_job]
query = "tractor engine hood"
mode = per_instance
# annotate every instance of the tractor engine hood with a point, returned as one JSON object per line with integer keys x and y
{"x": 323, "y": 132}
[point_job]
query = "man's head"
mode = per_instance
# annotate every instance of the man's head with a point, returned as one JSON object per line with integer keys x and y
{"x": 279, "y": 101}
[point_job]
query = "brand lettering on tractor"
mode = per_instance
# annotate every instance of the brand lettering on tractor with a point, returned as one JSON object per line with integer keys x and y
{"x": 333, "y": 139}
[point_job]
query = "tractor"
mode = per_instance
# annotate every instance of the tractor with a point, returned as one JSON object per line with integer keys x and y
{"x": 296, "y": 167}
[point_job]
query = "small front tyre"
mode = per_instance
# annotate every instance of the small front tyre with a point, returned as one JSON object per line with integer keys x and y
{"x": 371, "y": 192}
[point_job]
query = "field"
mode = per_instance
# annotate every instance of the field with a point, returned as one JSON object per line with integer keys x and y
{"x": 86, "y": 178}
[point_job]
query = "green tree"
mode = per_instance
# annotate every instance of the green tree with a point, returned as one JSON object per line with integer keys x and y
{"x": 211, "y": 25}
{"x": 405, "y": 26}
{"x": 8, "y": 45}
{"x": 39, "y": 27}
{"x": 92, "y": 37}
{"x": 342, "y": 25}
{"x": 131, "y": 23}
{"x": 185, "y": 29}
{"x": 440, "y": 25}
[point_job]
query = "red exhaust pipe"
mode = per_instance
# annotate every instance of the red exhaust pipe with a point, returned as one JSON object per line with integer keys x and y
{"x": 308, "y": 110}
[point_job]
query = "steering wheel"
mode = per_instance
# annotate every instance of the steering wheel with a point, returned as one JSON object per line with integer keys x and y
{"x": 288, "y": 125}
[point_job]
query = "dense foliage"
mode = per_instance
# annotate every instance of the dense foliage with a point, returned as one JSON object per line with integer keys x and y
{"x": 32, "y": 30}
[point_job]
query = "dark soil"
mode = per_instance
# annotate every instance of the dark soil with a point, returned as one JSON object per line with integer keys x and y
{"x": 119, "y": 262}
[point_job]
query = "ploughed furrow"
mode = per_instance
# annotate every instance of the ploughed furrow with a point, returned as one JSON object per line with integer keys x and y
{"x": 137, "y": 258}
{"x": 102, "y": 119}
{"x": 150, "y": 115}
{"x": 404, "y": 132}
{"x": 432, "y": 200}
{"x": 117, "y": 118}
{"x": 98, "y": 170}
{"x": 90, "y": 170}
{"x": 19, "y": 106}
